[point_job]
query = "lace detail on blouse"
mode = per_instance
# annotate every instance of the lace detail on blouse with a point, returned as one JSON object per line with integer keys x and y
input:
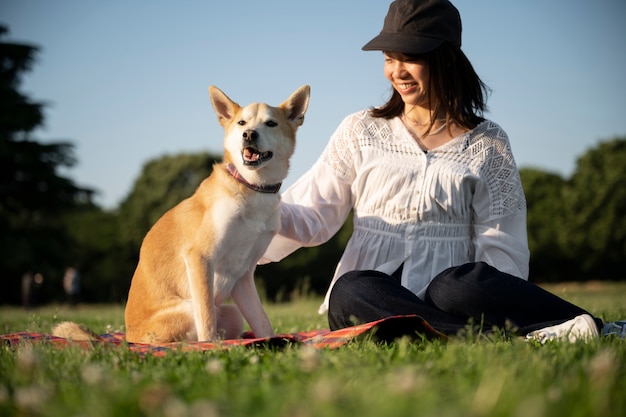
{"x": 483, "y": 153}
{"x": 489, "y": 149}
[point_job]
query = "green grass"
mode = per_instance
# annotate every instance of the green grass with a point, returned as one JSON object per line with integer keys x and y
{"x": 465, "y": 377}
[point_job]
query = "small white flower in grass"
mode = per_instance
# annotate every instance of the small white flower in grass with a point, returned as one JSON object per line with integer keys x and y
{"x": 602, "y": 367}
{"x": 406, "y": 380}
{"x": 488, "y": 391}
{"x": 92, "y": 374}
{"x": 324, "y": 390}
{"x": 603, "y": 372}
{"x": 204, "y": 408}
{"x": 554, "y": 394}
{"x": 175, "y": 407}
{"x": 27, "y": 359}
{"x": 309, "y": 358}
{"x": 254, "y": 359}
{"x": 31, "y": 397}
{"x": 214, "y": 366}
{"x": 135, "y": 376}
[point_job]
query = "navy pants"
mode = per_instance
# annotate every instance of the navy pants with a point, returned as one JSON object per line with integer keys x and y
{"x": 473, "y": 291}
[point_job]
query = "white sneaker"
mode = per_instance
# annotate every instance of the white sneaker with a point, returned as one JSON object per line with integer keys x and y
{"x": 617, "y": 328}
{"x": 582, "y": 327}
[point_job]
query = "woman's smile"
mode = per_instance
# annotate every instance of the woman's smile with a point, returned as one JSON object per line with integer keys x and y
{"x": 406, "y": 88}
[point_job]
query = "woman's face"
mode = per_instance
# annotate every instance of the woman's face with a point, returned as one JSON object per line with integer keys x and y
{"x": 408, "y": 77}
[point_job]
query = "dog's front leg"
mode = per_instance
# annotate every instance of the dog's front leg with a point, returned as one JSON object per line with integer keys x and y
{"x": 247, "y": 299}
{"x": 200, "y": 278}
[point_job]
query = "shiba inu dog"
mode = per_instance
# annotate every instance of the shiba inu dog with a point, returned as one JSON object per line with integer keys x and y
{"x": 205, "y": 249}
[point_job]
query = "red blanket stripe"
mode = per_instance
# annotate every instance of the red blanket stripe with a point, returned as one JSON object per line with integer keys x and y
{"x": 320, "y": 339}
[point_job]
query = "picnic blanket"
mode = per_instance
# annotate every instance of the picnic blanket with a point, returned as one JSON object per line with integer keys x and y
{"x": 384, "y": 330}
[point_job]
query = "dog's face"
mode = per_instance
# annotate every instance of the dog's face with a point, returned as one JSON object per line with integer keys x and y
{"x": 259, "y": 138}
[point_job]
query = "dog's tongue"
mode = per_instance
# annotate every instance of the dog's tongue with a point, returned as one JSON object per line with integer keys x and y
{"x": 251, "y": 154}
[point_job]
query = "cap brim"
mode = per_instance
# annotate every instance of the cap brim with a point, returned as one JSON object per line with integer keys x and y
{"x": 396, "y": 42}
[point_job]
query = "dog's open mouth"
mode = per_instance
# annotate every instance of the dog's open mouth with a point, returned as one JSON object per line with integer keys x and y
{"x": 252, "y": 156}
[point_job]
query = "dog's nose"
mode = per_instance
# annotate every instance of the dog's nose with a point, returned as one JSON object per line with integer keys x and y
{"x": 250, "y": 135}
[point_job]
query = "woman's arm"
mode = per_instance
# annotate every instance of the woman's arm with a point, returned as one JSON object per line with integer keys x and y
{"x": 500, "y": 235}
{"x": 317, "y": 205}
{"x": 312, "y": 211}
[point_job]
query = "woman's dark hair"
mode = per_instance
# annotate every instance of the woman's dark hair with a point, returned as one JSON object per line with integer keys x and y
{"x": 454, "y": 88}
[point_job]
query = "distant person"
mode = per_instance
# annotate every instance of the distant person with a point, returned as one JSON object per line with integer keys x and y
{"x": 27, "y": 289}
{"x": 71, "y": 285}
{"x": 438, "y": 205}
{"x": 31, "y": 289}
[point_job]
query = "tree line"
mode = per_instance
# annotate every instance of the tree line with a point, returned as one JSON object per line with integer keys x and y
{"x": 576, "y": 225}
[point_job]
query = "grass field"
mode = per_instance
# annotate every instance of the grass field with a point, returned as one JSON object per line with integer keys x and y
{"x": 472, "y": 376}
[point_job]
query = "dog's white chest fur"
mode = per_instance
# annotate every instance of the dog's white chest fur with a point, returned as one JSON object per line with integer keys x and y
{"x": 244, "y": 229}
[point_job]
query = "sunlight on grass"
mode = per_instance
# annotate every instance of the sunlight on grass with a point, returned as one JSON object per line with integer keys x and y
{"x": 472, "y": 376}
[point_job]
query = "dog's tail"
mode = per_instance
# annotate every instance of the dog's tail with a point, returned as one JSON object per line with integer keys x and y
{"x": 73, "y": 331}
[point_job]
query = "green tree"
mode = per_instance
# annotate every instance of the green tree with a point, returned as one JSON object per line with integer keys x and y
{"x": 105, "y": 262}
{"x": 162, "y": 184}
{"x": 32, "y": 192}
{"x": 546, "y": 224}
{"x": 596, "y": 221}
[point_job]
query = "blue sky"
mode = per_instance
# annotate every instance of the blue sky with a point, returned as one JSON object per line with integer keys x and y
{"x": 126, "y": 81}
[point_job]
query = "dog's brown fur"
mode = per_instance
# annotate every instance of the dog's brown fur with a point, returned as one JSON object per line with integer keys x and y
{"x": 205, "y": 249}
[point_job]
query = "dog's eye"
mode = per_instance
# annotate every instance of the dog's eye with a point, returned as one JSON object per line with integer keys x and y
{"x": 241, "y": 123}
{"x": 271, "y": 123}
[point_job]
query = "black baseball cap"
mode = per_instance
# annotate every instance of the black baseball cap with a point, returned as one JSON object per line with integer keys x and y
{"x": 416, "y": 27}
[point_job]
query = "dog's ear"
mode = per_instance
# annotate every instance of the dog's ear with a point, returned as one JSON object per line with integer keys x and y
{"x": 223, "y": 106}
{"x": 297, "y": 104}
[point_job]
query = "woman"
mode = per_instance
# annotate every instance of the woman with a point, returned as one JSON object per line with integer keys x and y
{"x": 439, "y": 209}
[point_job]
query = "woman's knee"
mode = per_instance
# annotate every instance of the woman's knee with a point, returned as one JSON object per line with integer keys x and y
{"x": 458, "y": 285}
{"x": 351, "y": 285}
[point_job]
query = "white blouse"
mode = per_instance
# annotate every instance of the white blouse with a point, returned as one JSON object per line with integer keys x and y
{"x": 461, "y": 202}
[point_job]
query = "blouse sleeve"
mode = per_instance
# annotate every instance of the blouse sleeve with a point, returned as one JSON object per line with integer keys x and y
{"x": 317, "y": 205}
{"x": 500, "y": 235}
